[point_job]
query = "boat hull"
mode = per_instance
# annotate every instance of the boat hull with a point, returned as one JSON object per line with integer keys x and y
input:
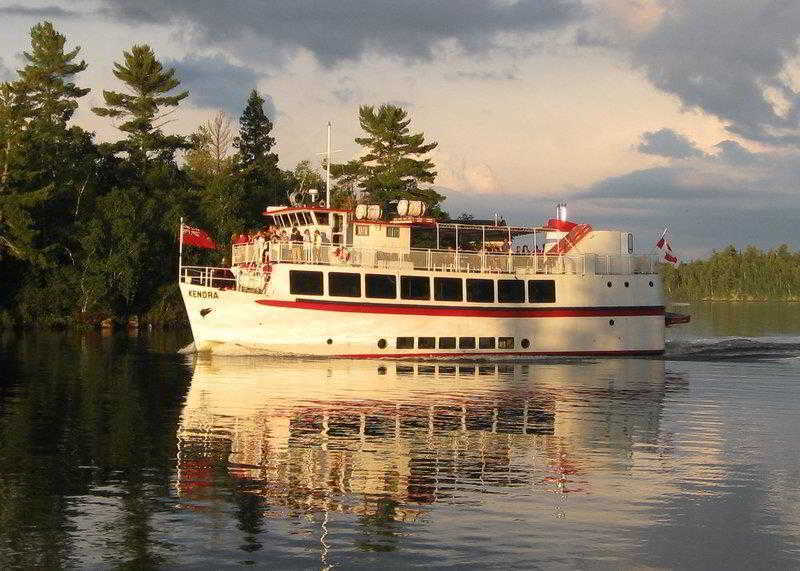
{"x": 229, "y": 322}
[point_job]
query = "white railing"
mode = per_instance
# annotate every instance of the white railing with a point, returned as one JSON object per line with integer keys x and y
{"x": 207, "y": 276}
{"x": 255, "y": 256}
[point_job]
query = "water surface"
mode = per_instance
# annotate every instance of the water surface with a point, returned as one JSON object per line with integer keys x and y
{"x": 118, "y": 451}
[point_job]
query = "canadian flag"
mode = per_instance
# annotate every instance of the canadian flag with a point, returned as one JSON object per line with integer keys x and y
{"x": 667, "y": 256}
{"x": 196, "y": 237}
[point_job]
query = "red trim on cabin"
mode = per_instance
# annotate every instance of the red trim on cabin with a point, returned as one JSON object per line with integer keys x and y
{"x": 484, "y": 354}
{"x": 383, "y": 223}
{"x": 301, "y": 208}
{"x": 457, "y": 311}
{"x": 560, "y": 225}
{"x": 571, "y": 239}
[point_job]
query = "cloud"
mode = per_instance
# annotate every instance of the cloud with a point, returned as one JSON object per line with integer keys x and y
{"x": 729, "y": 60}
{"x": 345, "y": 30}
{"x": 508, "y": 74}
{"x": 53, "y": 12}
{"x": 216, "y": 83}
{"x": 668, "y": 143}
{"x": 6, "y": 74}
{"x": 735, "y": 195}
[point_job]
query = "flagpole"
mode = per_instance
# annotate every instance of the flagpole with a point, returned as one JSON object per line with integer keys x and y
{"x": 180, "y": 253}
{"x": 664, "y": 233}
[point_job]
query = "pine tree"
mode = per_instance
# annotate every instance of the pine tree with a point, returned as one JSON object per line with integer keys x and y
{"x": 143, "y": 109}
{"x": 44, "y": 81}
{"x": 393, "y": 167}
{"x": 264, "y": 182}
{"x": 254, "y": 141}
{"x": 43, "y": 163}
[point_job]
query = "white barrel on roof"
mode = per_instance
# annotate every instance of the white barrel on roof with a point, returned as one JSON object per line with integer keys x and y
{"x": 374, "y": 212}
{"x": 402, "y": 207}
{"x": 416, "y": 208}
{"x": 361, "y": 211}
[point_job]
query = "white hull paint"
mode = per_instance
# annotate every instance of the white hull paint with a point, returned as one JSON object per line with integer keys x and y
{"x": 616, "y": 320}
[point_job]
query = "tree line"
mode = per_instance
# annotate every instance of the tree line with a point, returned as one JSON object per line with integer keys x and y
{"x": 88, "y": 230}
{"x": 751, "y": 274}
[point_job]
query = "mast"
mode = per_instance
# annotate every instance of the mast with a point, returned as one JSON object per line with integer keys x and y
{"x": 328, "y": 171}
{"x": 180, "y": 252}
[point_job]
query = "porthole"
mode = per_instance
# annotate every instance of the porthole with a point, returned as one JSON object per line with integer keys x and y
{"x": 381, "y": 370}
{"x": 651, "y": 284}
{"x": 329, "y": 341}
{"x": 611, "y": 322}
{"x": 627, "y": 284}
{"x": 608, "y": 284}
{"x": 381, "y": 343}
{"x": 525, "y": 343}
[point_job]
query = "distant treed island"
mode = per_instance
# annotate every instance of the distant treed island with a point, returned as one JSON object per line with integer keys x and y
{"x": 88, "y": 230}
{"x": 737, "y": 275}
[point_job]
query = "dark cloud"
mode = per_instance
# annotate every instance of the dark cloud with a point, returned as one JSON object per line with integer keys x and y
{"x": 589, "y": 39}
{"x": 216, "y": 83}
{"x": 734, "y": 153}
{"x": 346, "y": 29}
{"x": 668, "y": 143}
{"x": 727, "y": 58}
{"x": 40, "y": 12}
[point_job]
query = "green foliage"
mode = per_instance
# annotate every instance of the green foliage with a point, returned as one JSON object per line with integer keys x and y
{"x": 142, "y": 109}
{"x": 749, "y": 274}
{"x": 257, "y": 167}
{"x": 393, "y": 166}
{"x": 44, "y": 80}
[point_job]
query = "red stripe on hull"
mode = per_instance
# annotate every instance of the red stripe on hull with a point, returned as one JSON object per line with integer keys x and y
{"x": 642, "y": 353}
{"x": 398, "y": 309}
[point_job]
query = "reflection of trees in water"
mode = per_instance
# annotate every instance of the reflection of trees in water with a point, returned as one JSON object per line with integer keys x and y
{"x": 385, "y": 460}
{"x": 84, "y": 416}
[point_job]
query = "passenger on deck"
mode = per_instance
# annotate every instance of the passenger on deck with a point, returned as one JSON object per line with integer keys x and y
{"x": 317, "y": 241}
{"x": 306, "y": 245}
{"x": 525, "y": 249}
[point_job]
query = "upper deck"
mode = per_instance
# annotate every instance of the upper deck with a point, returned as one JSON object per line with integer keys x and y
{"x": 321, "y": 236}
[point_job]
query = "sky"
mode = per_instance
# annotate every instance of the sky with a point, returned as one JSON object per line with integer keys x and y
{"x": 637, "y": 113}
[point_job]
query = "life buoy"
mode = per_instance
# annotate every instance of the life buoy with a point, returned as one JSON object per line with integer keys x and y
{"x": 342, "y": 254}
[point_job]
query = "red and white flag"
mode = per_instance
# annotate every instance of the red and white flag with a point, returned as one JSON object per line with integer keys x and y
{"x": 667, "y": 256}
{"x": 196, "y": 237}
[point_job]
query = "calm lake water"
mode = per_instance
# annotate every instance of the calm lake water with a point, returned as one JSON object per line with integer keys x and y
{"x": 118, "y": 451}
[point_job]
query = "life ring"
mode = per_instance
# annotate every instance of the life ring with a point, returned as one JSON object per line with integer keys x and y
{"x": 342, "y": 254}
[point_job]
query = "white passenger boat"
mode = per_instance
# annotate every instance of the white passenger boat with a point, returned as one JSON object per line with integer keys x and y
{"x": 400, "y": 285}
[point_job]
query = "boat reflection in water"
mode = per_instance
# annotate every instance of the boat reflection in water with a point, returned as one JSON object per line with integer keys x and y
{"x": 388, "y": 439}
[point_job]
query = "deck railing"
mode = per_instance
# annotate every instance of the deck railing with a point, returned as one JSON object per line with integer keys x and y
{"x": 255, "y": 256}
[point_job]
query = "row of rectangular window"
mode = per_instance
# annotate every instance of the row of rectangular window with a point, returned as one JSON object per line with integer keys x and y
{"x": 418, "y": 288}
{"x": 450, "y": 343}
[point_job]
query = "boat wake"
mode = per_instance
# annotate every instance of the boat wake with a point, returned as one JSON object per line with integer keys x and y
{"x": 733, "y": 349}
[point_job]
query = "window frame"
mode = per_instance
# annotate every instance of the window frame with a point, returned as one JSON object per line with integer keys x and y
{"x": 487, "y": 343}
{"x": 429, "y": 343}
{"x": 471, "y": 344}
{"x": 362, "y": 230}
{"x": 442, "y": 280}
{"x": 407, "y": 343}
{"x": 409, "y": 279}
{"x": 293, "y": 273}
{"x": 505, "y": 343}
{"x": 392, "y": 231}
{"x": 506, "y": 283}
{"x": 448, "y": 342}
{"x": 474, "y": 282}
{"x": 534, "y": 295}
{"x": 367, "y": 286}
{"x": 334, "y": 276}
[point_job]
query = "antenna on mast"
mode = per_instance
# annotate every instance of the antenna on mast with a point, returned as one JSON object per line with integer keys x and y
{"x": 328, "y": 171}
